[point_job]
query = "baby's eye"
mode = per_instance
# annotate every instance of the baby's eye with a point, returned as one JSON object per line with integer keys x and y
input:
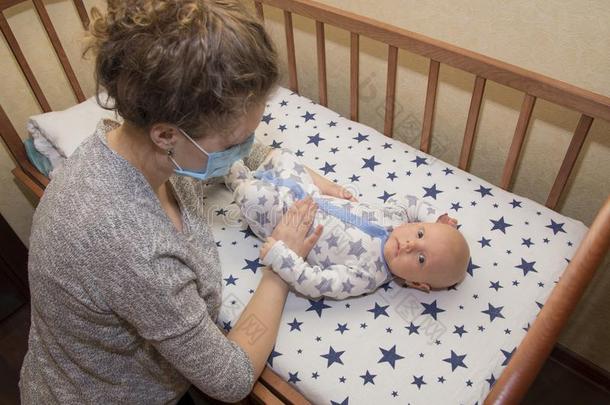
{"x": 421, "y": 258}
{"x": 420, "y": 233}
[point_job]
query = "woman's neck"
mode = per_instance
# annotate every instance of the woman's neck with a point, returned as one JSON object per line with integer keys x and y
{"x": 135, "y": 146}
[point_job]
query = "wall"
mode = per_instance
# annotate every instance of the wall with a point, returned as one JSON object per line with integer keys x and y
{"x": 564, "y": 39}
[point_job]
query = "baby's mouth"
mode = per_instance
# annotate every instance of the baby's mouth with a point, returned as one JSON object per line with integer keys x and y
{"x": 397, "y": 250}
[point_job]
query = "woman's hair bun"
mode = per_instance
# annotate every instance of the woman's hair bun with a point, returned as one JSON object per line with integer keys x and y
{"x": 197, "y": 64}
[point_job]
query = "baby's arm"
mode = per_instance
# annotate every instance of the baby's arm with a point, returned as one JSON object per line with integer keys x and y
{"x": 419, "y": 210}
{"x": 336, "y": 281}
{"x": 330, "y": 188}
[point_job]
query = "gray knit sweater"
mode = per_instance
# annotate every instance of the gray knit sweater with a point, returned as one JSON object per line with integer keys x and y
{"x": 124, "y": 305}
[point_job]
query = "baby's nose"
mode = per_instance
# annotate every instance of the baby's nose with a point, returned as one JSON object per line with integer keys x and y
{"x": 407, "y": 246}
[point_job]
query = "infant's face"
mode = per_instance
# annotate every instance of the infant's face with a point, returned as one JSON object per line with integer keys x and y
{"x": 431, "y": 253}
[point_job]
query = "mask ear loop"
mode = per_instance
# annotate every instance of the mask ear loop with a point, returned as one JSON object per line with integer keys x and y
{"x": 193, "y": 141}
{"x": 170, "y": 155}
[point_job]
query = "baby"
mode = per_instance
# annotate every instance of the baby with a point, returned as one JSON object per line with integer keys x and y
{"x": 362, "y": 246}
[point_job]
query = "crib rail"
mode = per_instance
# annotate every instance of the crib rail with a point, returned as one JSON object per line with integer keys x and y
{"x": 55, "y": 42}
{"x": 528, "y": 360}
{"x": 531, "y": 354}
{"x": 7, "y": 131}
{"x": 533, "y": 85}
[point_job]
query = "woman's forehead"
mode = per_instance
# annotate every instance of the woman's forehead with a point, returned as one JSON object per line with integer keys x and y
{"x": 247, "y": 123}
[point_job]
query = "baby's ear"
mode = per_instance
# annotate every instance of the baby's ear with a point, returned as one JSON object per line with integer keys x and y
{"x": 425, "y": 287}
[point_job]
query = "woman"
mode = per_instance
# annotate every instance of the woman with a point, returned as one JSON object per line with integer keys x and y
{"x": 124, "y": 272}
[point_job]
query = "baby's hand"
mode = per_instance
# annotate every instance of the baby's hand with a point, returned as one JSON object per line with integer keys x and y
{"x": 446, "y": 219}
{"x": 330, "y": 188}
{"x": 266, "y": 247}
{"x": 336, "y": 190}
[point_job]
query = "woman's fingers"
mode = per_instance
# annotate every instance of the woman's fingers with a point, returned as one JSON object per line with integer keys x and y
{"x": 295, "y": 225}
{"x": 309, "y": 212}
{"x": 292, "y": 217}
{"x": 312, "y": 239}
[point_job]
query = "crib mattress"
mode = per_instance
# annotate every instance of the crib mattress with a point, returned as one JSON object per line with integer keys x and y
{"x": 399, "y": 345}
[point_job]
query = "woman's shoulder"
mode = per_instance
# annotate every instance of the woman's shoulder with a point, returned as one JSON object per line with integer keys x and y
{"x": 98, "y": 198}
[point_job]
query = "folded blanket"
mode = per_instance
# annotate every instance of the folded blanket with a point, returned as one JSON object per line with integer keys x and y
{"x": 57, "y": 134}
{"x": 45, "y": 148}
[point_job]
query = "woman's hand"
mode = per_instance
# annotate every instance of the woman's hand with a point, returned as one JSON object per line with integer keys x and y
{"x": 294, "y": 226}
{"x": 267, "y": 247}
{"x": 327, "y": 187}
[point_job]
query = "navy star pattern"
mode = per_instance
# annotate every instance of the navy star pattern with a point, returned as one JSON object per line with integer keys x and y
{"x": 333, "y": 356}
{"x": 355, "y": 351}
{"x": 370, "y": 163}
{"x": 431, "y": 191}
{"x": 419, "y": 381}
{"x": 390, "y": 356}
{"x": 253, "y": 264}
{"x": 456, "y": 360}
{"x": 315, "y": 139}
{"x": 368, "y": 378}
{"x": 318, "y": 306}
{"x": 499, "y": 225}
{"x": 526, "y": 267}
{"x": 295, "y": 325}
{"x": 493, "y": 312}
{"x": 556, "y": 227}
{"x": 379, "y": 310}
{"x": 431, "y": 309}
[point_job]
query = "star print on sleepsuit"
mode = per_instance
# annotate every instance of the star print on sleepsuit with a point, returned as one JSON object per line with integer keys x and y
{"x": 346, "y": 261}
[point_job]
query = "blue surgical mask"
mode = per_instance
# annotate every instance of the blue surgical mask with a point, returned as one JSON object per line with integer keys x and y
{"x": 219, "y": 163}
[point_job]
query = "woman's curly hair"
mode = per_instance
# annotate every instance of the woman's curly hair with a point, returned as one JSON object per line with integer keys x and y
{"x": 197, "y": 64}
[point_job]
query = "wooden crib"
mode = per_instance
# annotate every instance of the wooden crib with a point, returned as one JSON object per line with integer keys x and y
{"x": 539, "y": 341}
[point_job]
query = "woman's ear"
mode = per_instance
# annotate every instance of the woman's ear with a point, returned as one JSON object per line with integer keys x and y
{"x": 425, "y": 287}
{"x": 164, "y": 135}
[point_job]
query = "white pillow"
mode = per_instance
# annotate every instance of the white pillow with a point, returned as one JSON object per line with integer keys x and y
{"x": 66, "y": 129}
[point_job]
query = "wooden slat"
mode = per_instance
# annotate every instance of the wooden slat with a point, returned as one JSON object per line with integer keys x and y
{"x": 533, "y": 351}
{"x": 515, "y": 147}
{"x": 321, "y": 46}
{"x": 292, "y": 61}
{"x": 17, "y": 150}
{"x": 538, "y": 85}
{"x": 82, "y": 13}
{"x": 426, "y": 131}
{"x": 12, "y": 139}
{"x": 354, "y": 75}
{"x": 390, "y": 92}
{"x": 259, "y": 10}
{"x": 23, "y": 64}
{"x": 578, "y": 139}
{"x": 282, "y": 389}
{"x": 471, "y": 122}
{"x": 262, "y": 395}
{"x": 4, "y": 4}
{"x": 59, "y": 50}
{"x": 28, "y": 182}
{"x": 35, "y": 174}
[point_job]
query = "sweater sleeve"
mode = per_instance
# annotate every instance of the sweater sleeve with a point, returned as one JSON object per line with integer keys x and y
{"x": 336, "y": 281}
{"x": 163, "y": 305}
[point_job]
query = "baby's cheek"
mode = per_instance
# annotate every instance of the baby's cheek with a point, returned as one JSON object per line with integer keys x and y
{"x": 401, "y": 268}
